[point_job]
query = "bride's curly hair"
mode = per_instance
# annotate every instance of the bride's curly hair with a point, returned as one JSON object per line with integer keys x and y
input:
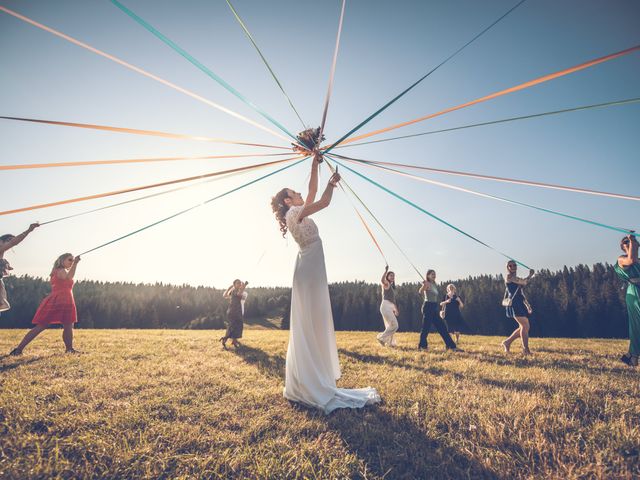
{"x": 280, "y": 209}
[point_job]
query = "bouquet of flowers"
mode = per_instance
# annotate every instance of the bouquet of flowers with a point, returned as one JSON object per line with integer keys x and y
{"x": 309, "y": 141}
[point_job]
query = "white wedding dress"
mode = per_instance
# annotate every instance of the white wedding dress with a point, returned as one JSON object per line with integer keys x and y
{"x": 312, "y": 366}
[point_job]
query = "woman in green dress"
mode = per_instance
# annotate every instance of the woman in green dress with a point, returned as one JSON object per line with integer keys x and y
{"x": 628, "y": 269}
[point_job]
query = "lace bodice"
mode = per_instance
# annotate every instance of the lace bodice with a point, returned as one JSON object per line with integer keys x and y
{"x": 304, "y": 232}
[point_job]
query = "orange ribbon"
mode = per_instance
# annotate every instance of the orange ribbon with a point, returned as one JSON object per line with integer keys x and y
{"x": 144, "y": 187}
{"x": 522, "y": 86}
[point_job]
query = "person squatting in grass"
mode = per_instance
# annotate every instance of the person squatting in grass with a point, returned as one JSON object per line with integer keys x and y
{"x": 388, "y": 309}
{"x": 519, "y": 308}
{"x": 235, "y": 312}
{"x": 430, "y": 313}
{"x": 628, "y": 269}
{"x": 58, "y": 307}
{"x": 7, "y": 242}
{"x": 451, "y": 305}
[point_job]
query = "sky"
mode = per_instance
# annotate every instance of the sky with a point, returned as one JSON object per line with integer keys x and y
{"x": 384, "y": 48}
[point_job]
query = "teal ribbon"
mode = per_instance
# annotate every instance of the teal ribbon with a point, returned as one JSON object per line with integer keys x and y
{"x": 401, "y": 94}
{"x": 181, "y": 212}
{"x": 515, "y": 202}
{"x": 264, "y": 60}
{"x": 435, "y": 217}
{"x": 195, "y": 62}
{"x": 504, "y": 120}
{"x": 406, "y": 257}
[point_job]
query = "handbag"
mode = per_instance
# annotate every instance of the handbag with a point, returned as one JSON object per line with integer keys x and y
{"x": 507, "y": 301}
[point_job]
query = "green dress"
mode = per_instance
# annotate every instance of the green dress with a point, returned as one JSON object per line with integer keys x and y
{"x": 633, "y": 304}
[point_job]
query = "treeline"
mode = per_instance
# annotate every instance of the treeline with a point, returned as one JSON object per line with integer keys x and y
{"x": 573, "y": 302}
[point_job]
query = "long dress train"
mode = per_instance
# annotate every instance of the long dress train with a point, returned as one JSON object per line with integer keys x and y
{"x": 312, "y": 366}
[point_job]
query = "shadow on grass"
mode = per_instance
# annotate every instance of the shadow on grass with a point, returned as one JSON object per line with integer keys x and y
{"x": 368, "y": 358}
{"x": 18, "y": 363}
{"x": 390, "y": 447}
{"x": 270, "y": 365}
{"x": 540, "y": 360}
{"x": 394, "y": 447}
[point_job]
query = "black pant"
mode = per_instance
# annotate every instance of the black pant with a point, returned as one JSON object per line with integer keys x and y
{"x": 430, "y": 315}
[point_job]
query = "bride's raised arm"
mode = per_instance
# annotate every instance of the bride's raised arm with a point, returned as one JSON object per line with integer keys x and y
{"x": 313, "y": 181}
{"x": 325, "y": 199}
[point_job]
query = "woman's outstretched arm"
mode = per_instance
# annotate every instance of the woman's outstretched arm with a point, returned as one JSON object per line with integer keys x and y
{"x": 325, "y": 199}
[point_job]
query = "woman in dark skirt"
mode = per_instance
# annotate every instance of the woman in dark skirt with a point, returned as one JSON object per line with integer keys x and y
{"x": 451, "y": 305}
{"x": 430, "y": 313}
{"x": 519, "y": 309}
{"x": 234, "y": 313}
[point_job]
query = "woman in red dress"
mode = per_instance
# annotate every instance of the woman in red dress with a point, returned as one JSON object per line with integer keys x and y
{"x": 57, "y": 307}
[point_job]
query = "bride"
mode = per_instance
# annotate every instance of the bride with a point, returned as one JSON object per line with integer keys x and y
{"x": 312, "y": 366}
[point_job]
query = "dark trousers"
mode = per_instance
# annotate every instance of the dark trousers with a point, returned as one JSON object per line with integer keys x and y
{"x": 429, "y": 316}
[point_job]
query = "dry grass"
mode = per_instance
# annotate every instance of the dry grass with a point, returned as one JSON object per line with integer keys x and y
{"x": 172, "y": 404}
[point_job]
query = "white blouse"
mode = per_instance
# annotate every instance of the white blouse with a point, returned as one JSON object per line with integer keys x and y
{"x": 304, "y": 232}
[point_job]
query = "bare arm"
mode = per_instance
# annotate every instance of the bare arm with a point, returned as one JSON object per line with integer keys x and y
{"x": 423, "y": 287}
{"x": 512, "y": 278}
{"x": 631, "y": 253}
{"x": 227, "y": 294}
{"x": 68, "y": 275}
{"x": 325, "y": 199}
{"x": 18, "y": 238}
{"x": 383, "y": 280}
{"x": 313, "y": 183}
{"x": 460, "y": 302}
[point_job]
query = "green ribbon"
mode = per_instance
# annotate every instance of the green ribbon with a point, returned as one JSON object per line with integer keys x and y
{"x": 195, "y": 62}
{"x": 508, "y": 200}
{"x": 435, "y": 217}
{"x": 401, "y": 94}
{"x": 194, "y": 207}
{"x": 264, "y": 60}
{"x": 504, "y": 120}
{"x": 380, "y": 225}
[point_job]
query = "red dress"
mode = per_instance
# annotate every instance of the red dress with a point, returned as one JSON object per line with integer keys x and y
{"x": 58, "y": 306}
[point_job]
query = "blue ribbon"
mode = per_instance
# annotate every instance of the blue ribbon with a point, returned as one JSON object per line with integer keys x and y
{"x": 409, "y": 202}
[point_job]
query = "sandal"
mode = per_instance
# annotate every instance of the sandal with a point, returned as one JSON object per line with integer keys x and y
{"x": 628, "y": 359}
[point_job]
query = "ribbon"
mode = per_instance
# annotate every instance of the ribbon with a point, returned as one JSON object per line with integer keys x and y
{"x": 504, "y": 120}
{"x": 500, "y": 93}
{"x": 199, "y": 65}
{"x": 135, "y": 189}
{"x": 362, "y": 220}
{"x": 332, "y": 72}
{"x": 130, "y": 160}
{"x": 397, "y": 97}
{"x": 501, "y": 199}
{"x": 136, "y": 131}
{"x": 193, "y": 207}
{"x": 503, "y": 179}
{"x": 435, "y": 217}
{"x": 264, "y": 60}
{"x": 141, "y": 71}
{"x": 380, "y": 225}
{"x": 145, "y": 197}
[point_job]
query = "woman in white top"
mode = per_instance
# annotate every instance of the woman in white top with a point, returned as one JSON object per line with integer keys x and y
{"x": 312, "y": 366}
{"x": 388, "y": 308}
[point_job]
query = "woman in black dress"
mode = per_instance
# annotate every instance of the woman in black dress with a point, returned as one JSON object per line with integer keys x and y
{"x": 519, "y": 309}
{"x": 451, "y": 304}
{"x": 234, "y": 313}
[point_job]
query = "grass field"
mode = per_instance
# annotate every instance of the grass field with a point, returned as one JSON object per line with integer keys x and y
{"x": 173, "y": 404}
